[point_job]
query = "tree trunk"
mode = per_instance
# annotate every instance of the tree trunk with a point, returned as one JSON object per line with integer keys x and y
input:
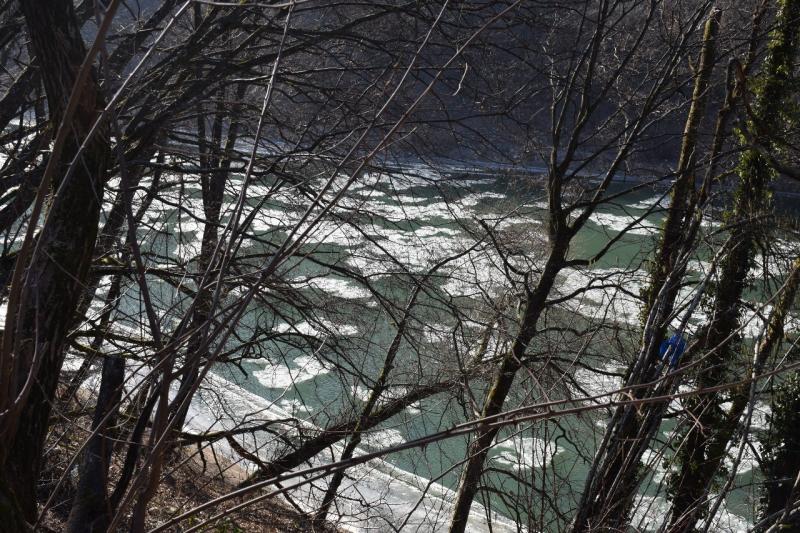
{"x": 372, "y": 401}
{"x": 613, "y": 480}
{"x": 333, "y": 434}
{"x": 54, "y": 277}
{"x": 717, "y": 444}
{"x": 213, "y": 190}
{"x": 91, "y": 510}
{"x": 680, "y": 209}
{"x": 700, "y": 455}
{"x": 501, "y": 385}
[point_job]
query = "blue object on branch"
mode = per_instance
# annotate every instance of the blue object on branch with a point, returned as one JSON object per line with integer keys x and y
{"x": 674, "y": 346}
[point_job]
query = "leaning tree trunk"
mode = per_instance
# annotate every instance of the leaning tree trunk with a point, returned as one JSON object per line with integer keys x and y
{"x": 49, "y": 285}
{"x": 313, "y": 446}
{"x": 381, "y": 384}
{"x": 700, "y": 455}
{"x": 614, "y": 477}
{"x": 680, "y": 209}
{"x": 503, "y": 380}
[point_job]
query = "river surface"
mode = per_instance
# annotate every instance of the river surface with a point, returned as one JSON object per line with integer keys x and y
{"x": 314, "y": 355}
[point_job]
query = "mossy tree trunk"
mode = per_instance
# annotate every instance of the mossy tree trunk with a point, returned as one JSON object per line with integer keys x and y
{"x": 613, "y": 481}
{"x": 679, "y": 213}
{"x": 718, "y": 443}
{"x": 701, "y": 453}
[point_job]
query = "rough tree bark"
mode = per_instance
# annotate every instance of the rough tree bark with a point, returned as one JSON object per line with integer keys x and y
{"x": 54, "y": 277}
{"x": 609, "y": 488}
{"x": 699, "y": 456}
{"x": 91, "y": 509}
